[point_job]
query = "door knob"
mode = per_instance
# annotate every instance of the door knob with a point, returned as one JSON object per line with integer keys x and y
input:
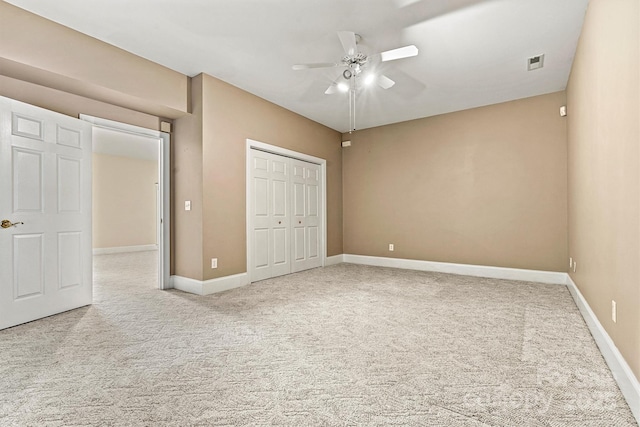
{"x": 6, "y": 223}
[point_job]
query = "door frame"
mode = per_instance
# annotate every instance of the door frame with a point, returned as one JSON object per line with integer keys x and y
{"x": 163, "y": 220}
{"x": 252, "y": 144}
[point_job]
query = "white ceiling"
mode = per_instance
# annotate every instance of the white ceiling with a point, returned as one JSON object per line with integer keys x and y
{"x": 472, "y": 52}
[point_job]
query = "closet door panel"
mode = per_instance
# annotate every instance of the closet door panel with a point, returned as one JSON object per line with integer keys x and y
{"x": 306, "y": 215}
{"x": 285, "y": 214}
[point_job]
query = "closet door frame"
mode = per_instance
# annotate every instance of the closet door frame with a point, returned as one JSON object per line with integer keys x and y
{"x": 251, "y": 144}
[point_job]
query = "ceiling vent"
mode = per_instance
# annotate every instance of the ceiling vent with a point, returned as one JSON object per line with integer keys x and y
{"x": 535, "y": 62}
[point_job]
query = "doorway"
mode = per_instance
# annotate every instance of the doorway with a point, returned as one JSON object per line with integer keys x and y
{"x": 131, "y": 192}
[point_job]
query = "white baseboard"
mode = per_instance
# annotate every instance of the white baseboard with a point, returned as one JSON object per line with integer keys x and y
{"x": 621, "y": 371}
{"x": 211, "y": 286}
{"x": 550, "y": 277}
{"x": 333, "y": 260}
{"x": 124, "y": 249}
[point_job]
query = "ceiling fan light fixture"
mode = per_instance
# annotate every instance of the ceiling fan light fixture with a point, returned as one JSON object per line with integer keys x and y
{"x": 369, "y": 79}
{"x": 356, "y": 67}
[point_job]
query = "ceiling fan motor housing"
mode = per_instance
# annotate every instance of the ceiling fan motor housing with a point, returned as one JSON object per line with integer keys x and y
{"x": 359, "y": 59}
{"x": 354, "y": 62}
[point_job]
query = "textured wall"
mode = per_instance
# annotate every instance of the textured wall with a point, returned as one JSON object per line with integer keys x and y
{"x": 485, "y": 186}
{"x": 604, "y": 179}
{"x": 124, "y": 201}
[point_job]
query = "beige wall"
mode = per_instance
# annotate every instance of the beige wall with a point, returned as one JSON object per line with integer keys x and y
{"x": 231, "y": 116}
{"x": 72, "y": 105}
{"x": 485, "y": 186}
{"x": 45, "y": 53}
{"x": 604, "y": 179}
{"x": 224, "y": 118}
{"x": 186, "y": 184}
{"x": 124, "y": 201}
{"x": 53, "y": 67}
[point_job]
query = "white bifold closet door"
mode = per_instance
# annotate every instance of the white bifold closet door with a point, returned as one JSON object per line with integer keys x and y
{"x": 285, "y": 214}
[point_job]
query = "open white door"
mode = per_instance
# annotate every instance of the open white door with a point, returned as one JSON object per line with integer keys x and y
{"x": 45, "y": 189}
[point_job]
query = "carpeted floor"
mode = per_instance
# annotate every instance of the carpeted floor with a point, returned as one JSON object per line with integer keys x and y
{"x": 344, "y": 345}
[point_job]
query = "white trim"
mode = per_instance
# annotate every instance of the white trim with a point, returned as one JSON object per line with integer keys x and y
{"x": 210, "y": 286}
{"x": 124, "y": 249}
{"x": 622, "y": 373}
{"x": 296, "y": 155}
{"x": 284, "y": 152}
{"x": 186, "y": 284}
{"x": 164, "y": 227}
{"x": 164, "y": 169}
{"x": 550, "y": 277}
{"x": 333, "y": 260}
{"x": 122, "y": 127}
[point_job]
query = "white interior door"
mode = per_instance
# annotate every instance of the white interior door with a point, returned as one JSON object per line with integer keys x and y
{"x": 306, "y": 236}
{"x": 45, "y": 188}
{"x": 270, "y": 215}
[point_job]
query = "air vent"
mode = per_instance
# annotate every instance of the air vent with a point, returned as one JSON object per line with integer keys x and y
{"x": 535, "y": 62}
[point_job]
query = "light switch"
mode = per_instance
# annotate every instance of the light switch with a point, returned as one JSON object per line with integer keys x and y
{"x": 187, "y": 205}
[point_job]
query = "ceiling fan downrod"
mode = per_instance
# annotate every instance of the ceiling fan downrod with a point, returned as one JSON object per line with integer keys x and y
{"x": 352, "y": 107}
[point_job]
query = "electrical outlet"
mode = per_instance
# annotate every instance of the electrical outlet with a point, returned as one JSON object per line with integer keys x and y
{"x": 614, "y": 311}
{"x": 570, "y": 262}
{"x": 575, "y": 264}
{"x": 391, "y": 247}
{"x": 214, "y": 262}
{"x": 187, "y": 205}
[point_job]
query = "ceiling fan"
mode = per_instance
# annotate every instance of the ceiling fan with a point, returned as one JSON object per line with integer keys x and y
{"x": 355, "y": 64}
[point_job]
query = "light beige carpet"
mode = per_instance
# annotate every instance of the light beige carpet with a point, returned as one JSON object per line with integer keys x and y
{"x": 340, "y": 346}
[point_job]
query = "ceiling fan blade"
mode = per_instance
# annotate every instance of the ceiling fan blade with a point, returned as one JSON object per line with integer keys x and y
{"x": 348, "y": 40}
{"x": 317, "y": 65}
{"x": 339, "y": 85}
{"x": 384, "y": 82}
{"x": 331, "y": 89}
{"x": 399, "y": 53}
